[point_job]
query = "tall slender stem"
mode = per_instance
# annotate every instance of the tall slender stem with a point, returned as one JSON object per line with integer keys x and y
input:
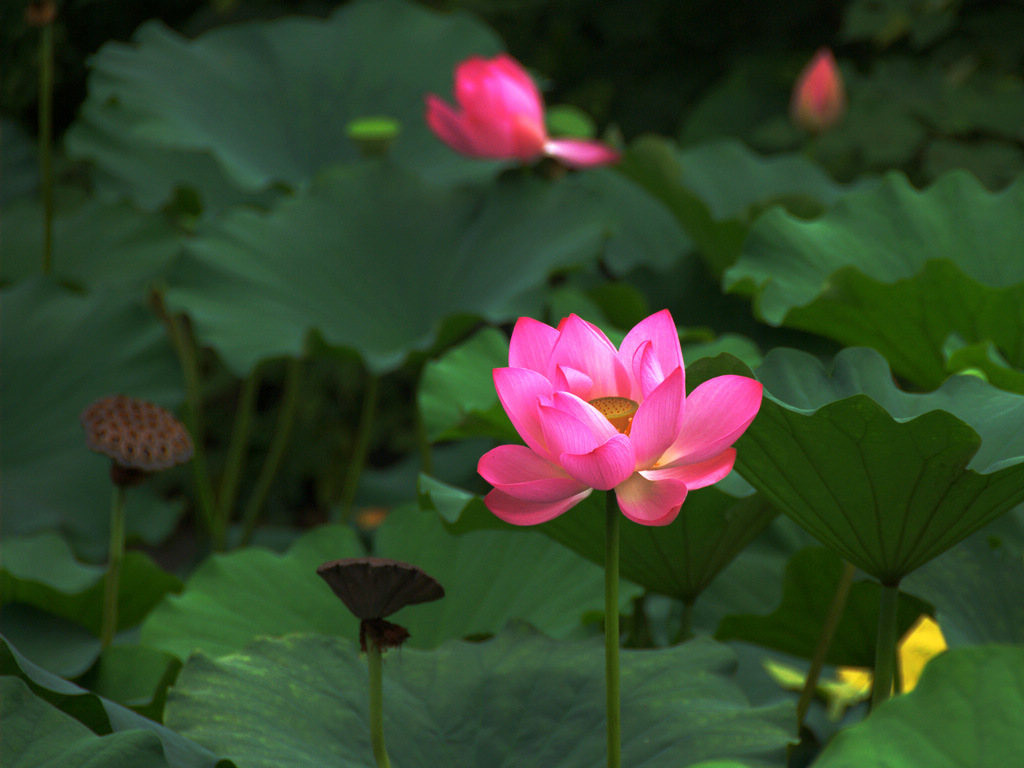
{"x": 828, "y": 631}
{"x": 885, "y": 649}
{"x": 184, "y": 347}
{"x": 236, "y": 449}
{"x": 46, "y": 140}
{"x": 278, "y": 444}
{"x": 360, "y": 449}
{"x": 611, "y": 630}
{"x": 113, "y": 580}
{"x": 374, "y": 662}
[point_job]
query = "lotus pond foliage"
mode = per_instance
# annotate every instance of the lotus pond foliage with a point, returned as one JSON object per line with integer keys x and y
{"x": 644, "y": 381}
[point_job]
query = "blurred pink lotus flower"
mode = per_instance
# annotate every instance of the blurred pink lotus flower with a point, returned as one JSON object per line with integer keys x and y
{"x": 594, "y": 416}
{"x": 500, "y": 116}
{"x": 819, "y": 97}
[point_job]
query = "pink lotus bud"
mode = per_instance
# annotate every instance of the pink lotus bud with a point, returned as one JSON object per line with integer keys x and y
{"x": 500, "y": 116}
{"x": 819, "y": 97}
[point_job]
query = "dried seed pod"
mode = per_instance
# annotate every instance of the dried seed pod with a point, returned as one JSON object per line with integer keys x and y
{"x": 373, "y": 587}
{"x": 138, "y": 436}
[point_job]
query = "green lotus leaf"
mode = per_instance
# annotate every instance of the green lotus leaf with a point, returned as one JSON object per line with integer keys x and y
{"x": 985, "y": 361}
{"x": 37, "y": 734}
{"x": 61, "y": 352}
{"x": 375, "y": 260}
{"x": 679, "y": 560}
{"x": 456, "y": 395}
{"x": 98, "y": 715}
{"x": 897, "y": 269}
{"x": 253, "y": 105}
{"x": 234, "y": 598}
{"x": 94, "y": 243}
{"x": 794, "y": 627}
{"x": 41, "y": 570}
{"x": 967, "y": 710}
{"x": 21, "y": 164}
{"x": 734, "y": 181}
{"x": 135, "y": 676}
{"x": 977, "y": 587}
{"x": 53, "y": 642}
{"x": 301, "y": 700}
{"x": 53, "y": 604}
{"x": 887, "y": 479}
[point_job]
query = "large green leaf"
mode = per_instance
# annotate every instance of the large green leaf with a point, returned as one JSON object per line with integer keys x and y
{"x": 41, "y": 570}
{"x": 736, "y": 182}
{"x": 490, "y": 577}
{"x": 99, "y": 715}
{"x": 61, "y": 351}
{"x": 794, "y": 627}
{"x": 516, "y": 699}
{"x": 897, "y": 269}
{"x": 94, "y": 243}
{"x": 37, "y": 734}
{"x": 456, "y": 395}
{"x": 253, "y": 105}
{"x": 967, "y": 710}
{"x": 232, "y": 598}
{"x": 374, "y": 260}
{"x": 53, "y": 604}
{"x": 679, "y": 560}
{"x": 977, "y": 587}
{"x": 879, "y": 475}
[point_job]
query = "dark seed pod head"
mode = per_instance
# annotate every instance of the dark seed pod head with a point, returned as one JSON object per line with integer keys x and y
{"x": 382, "y": 633}
{"x": 373, "y": 587}
{"x": 138, "y": 436}
{"x": 40, "y": 13}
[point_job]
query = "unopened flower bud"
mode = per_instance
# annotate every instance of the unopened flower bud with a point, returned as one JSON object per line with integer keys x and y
{"x": 819, "y": 97}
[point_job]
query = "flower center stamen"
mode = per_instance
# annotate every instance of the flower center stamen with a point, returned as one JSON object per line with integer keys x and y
{"x": 618, "y": 410}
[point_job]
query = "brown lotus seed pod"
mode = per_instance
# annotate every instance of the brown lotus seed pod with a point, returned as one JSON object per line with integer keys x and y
{"x": 138, "y": 436}
{"x": 39, "y": 13}
{"x": 373, "y": 587}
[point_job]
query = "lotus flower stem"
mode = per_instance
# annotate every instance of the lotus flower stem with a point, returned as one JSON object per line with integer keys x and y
{"x": 228, "y": 491}
{"x": 46, "y": 140}
{"x": 374, "y": 662}
{"x": 828, "y": 631}
{"x": 182, "y": 341}
{"x": 278, "y": 445}
{"x": 359, "y": 450}
{"x": 611, "y": 631}
{"x": 885, "y": 649}
{"x": 110, "y": 588}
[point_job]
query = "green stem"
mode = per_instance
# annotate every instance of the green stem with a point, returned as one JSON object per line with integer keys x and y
{"x": 278, "y": 445}
{"x": 885, "y": 650}
{"x": 236, "y": 449}
{"x": 360, "y": 449}
{"x": 374, "y": 662}
{"x": 185, "y": 349}
{"x": 828, "y": 631}
{"x": 611, "y": 630}
{"x": 110, "y": 588}
{"x": 46, "y": 140}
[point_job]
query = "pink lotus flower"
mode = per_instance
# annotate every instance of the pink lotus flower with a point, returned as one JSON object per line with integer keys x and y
{"x": 594, "y": 416}
{"x": 500, "y": 116}
{"x": 819, "y": 97}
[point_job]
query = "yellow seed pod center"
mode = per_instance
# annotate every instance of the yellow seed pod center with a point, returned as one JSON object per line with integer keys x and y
{"x": 618, "y": 410}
